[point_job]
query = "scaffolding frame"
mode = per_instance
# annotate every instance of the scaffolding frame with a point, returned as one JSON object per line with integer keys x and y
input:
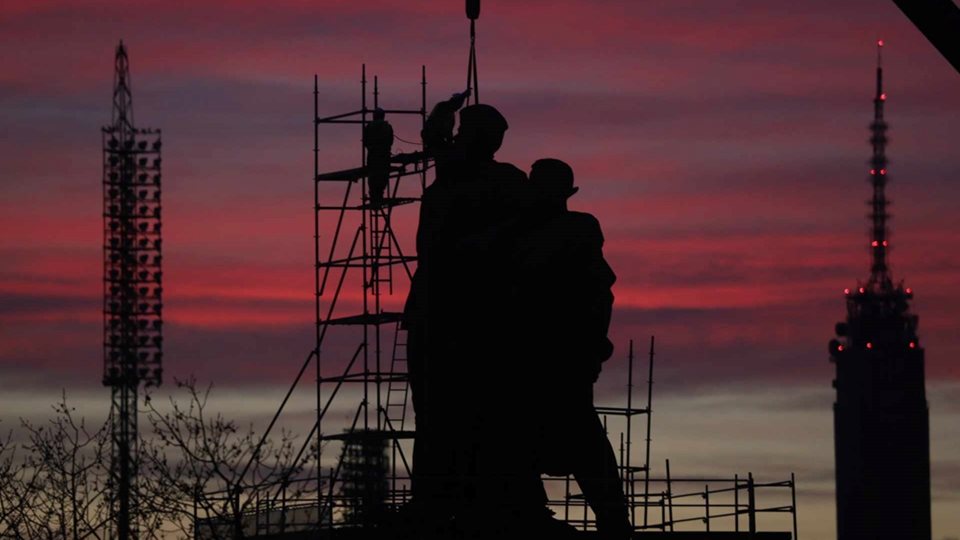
{"x": 380, "y": 257}
{"x": 377, "y": 365}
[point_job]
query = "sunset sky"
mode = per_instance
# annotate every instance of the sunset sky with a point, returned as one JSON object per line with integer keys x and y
{"x": 722, "y": 145}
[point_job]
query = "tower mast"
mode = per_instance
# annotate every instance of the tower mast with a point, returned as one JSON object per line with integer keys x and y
{"x": 132, "y": 321}
{"x": 879, "y": 273}
{"x": 881, "y": 421}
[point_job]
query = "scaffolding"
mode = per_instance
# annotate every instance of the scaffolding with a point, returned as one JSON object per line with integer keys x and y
{"x": 364, "y": 246}
{"x": 363, "y": 266}
{"x": 358, "y": 264}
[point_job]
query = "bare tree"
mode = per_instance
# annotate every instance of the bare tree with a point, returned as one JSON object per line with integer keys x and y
{"x": 11, "y": 487}
{"x": 202, "y": 465}
{"x": 56, "y": 483}
{"x": 56, "y": 486}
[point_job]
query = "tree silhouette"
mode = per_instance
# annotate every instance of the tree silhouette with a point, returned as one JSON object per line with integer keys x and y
{"x": 55, "y": 482}
{"x": 205, "y": 465}
{"x": 58, "y": 487}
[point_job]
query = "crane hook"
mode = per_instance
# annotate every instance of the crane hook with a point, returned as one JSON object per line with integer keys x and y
{"x": 473, "y": 9}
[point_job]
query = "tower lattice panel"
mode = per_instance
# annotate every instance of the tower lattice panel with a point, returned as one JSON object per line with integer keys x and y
{"x": 132, "y": 258}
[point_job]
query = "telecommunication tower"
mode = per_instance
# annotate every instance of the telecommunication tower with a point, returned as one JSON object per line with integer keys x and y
{"x": 881, "y": 424}
{"x": 132, "y": 306}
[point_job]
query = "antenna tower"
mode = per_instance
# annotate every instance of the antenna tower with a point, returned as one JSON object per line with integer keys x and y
{"x": 881, "y": 424}
{"x": 132, "y": 322}
{"x": 879, "y": 274}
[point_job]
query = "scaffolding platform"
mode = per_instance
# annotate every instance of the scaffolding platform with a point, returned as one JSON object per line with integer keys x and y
{"x": 355, "y": 534}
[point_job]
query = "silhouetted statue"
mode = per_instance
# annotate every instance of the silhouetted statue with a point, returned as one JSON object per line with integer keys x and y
{"x": 424, "y": 328}
{"x": 563, "y": 285}
{"x": 437, "y": 132}
{"x": 378, "y": 140}
{"x": 465, "y": 463}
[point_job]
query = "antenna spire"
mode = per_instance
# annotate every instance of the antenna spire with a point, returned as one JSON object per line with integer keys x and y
{"x": 879, "y": 273}
{"x": 122, "y": 97}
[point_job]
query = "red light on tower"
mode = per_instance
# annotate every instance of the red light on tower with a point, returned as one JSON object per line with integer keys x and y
{"x": 874, "y": 243}
{"x": 839, "y": 347}
{"x": 846, "y": 291}
{"x": 913, "y": 344}
{"x": 909, "y": 290}
{"x": 883, "y": 172}
{"x": 869, "y": 345}
{"x": 879, "y": 43}
{"x": 862, "y": 290}
{"x": 883, "y": 97}
{"x": 885, "y": 243}
{"x": 873, "y": 171}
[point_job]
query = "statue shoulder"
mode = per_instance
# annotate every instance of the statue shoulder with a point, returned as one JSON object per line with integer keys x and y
{"x": 586, "y": 225}
{"x": 509, "y": 172}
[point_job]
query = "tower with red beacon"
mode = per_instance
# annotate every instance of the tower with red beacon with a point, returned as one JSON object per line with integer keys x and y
{"x": 881, "y": 424}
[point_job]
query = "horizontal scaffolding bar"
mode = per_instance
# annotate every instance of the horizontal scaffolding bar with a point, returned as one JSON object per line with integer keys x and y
{"x": 387, "y": 317}
{"x": 384, "y": 376}
{"x": 383, "y": 260}
{"x": 404, "y": 111}
{"x": 743, "y": 482}
{"x": 388, "y": 202}
{"x": 620, "y": 411}
{"x": 370, "y": 434}
{"x": 342, "y": 122}
{"x": 348, "y": 175}
{"x": 352, "y": 175}
{"x": 339, "y": 118}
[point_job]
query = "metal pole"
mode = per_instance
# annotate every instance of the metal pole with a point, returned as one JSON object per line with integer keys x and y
{"x": 663, "y": 511}
{"x": 376, "y": 243}
{"x": 751, "y": 504}
{"x": 706, "y": 502}
{"x": 316, "y": 284}
{"x": 736, "y": 503}
{"x": 365, "y": 256}
{"x": 423, "y": 123}
{"x": 330, "y": 496}
{"x": 629, "y": 470}
{"x": 623, "y": 469}
{"x": 669, "y": 496}
{"x": 646, "y": 473}
{"x": 123, "y": 522}
{"x": 793, "y": 507}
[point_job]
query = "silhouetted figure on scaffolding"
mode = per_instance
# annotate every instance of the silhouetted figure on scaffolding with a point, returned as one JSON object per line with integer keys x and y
{"x": 378, "y": 140}
{"x": 565, "y": 283}
{"x": 471, "y": 466}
